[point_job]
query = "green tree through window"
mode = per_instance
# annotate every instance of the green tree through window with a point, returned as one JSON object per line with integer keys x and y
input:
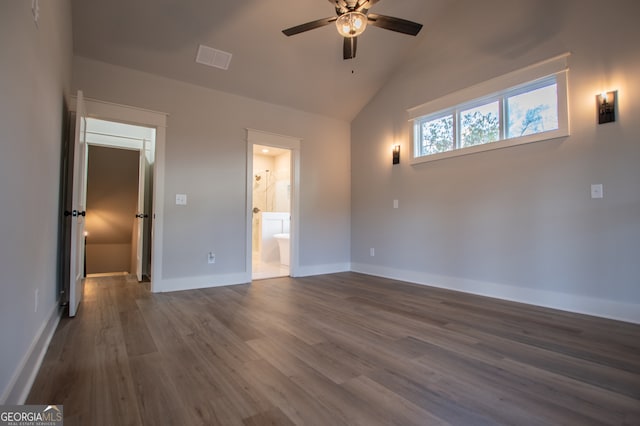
{"x": 480, "y": 125}
{"x": 437, "y": 135}
{"x": 519, "y": 114}
{"x": 525, "y": 106}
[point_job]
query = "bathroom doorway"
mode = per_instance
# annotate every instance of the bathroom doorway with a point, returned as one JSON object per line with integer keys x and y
{"x": 272, "y": 199}
{"x": 271, "y": 221}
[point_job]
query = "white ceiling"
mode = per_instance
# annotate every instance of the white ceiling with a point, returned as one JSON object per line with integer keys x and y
{"x": 304, "y": 72}
{"x": 268, "y": 151}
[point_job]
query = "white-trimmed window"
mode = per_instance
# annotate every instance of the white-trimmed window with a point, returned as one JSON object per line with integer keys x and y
{"x": 525, "y": 106}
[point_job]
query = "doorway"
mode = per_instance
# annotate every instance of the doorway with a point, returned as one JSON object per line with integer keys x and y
{"x": 74, "y": 162}
{"x": 272, "y": 198}
{"x": 271, "y": 221}
{"x": 119, "y": 198}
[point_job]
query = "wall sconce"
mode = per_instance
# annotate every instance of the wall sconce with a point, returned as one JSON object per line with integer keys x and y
{"x": 606, "y": 102}
{"x": 396, "y": 154}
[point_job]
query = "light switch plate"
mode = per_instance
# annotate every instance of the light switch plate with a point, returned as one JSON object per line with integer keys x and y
{"x": 181, "y": 199}
{"x": 597, "y": 191}
{"x": 395, "y": 204}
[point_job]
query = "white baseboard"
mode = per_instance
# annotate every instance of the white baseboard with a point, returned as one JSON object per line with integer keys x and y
{"x": 306, "y": 271}
{"x": 19, "y": 387}
{"x": 622, "y": 311}
{"x": 192, "y": 283}
{"x": 205, "y": 281}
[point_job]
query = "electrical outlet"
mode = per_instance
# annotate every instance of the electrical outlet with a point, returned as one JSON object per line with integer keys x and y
{"x": 211, "y": 258}
{"x": 372, "y": 252}
{"x": 597, "y": 191}
{"x": 181, "y": 199}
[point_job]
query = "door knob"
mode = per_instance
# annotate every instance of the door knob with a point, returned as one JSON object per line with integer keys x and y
{"x": 75, "y": 213}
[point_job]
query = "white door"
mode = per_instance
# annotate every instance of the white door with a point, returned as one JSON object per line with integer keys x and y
{"x": 78, "y": 203}
{"x": 141, "y": 215}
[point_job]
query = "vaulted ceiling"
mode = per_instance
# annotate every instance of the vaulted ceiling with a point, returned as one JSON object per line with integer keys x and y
{"x": 305, "y": 71}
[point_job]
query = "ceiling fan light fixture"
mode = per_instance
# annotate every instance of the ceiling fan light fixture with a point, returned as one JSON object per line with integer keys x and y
{"x": 351, "y": 24}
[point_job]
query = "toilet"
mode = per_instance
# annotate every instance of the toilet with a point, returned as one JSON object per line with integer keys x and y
{"x": 283, "y": 246}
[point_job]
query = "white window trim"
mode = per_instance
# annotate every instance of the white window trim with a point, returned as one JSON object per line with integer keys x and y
{"x": 495, "y": 87}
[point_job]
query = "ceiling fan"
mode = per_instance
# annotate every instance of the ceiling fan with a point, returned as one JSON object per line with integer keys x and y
{"x": 352, "y": 19}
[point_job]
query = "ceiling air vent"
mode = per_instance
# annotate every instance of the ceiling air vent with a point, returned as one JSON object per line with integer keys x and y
{"x": 213, "y": 57}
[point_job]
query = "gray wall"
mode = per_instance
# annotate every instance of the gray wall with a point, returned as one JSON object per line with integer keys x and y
{"x": 206, "y": 156}
{"x": 35, "y": 73}
{"x": 515, "y": 223}
{"x": 112, "y": 200}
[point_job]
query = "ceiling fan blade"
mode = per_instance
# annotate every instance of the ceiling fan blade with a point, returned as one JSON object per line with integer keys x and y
{"x": 394, "y": 24}
{"x": 309, "y": 26}
{"x": 349, "y": 47}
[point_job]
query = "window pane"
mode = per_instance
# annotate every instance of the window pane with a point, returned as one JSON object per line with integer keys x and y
{"x": 436, "y": 135}
{"x": 480, "y": 125}
{"x": 533, "y": 112}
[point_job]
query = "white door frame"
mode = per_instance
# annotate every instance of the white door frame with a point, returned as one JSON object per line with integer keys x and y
{"x": 140, "y": 144}
{"x": 141, "y": 117}
{"x": 259, "y": 137}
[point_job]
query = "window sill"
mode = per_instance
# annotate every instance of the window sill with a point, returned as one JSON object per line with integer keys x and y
{"x": 505, "y": 143}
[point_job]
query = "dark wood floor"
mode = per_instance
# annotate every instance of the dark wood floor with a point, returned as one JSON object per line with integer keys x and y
{"x": 342, "y": 349}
